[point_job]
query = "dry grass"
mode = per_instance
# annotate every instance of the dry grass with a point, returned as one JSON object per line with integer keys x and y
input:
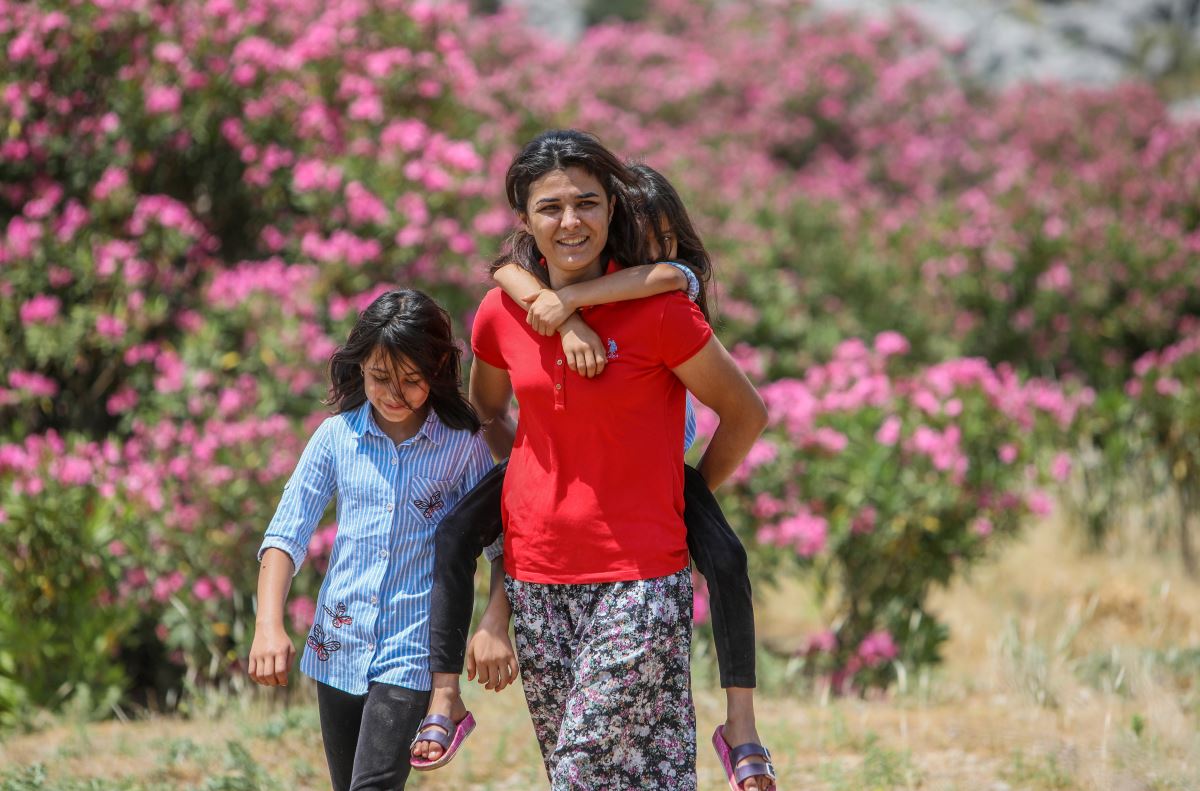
{"x": 1064, "y": 672}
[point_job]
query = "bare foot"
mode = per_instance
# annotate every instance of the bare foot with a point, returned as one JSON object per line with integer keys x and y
{"x": 737, "y": 733}
{"x": 447, "y": 702}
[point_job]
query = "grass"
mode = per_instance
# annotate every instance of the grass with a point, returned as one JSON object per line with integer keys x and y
{"x": 1064, "y": 671}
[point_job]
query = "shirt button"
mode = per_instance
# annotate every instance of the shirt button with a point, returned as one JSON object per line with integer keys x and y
{"x": 558, "y": 387}
{"x": 395, "y": 460}
{"x": 383, "y": 553}
{"x": 370, "y": 646}
{"x": 374, "y": 600}
{"x": 391, "y": 506}
{"x": 560, "y": 362}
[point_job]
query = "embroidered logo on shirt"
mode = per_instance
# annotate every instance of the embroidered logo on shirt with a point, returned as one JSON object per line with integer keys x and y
{"x": 318, "y": 643}
{"x": 612, "y": 350}
{"x": 429, "y": 506}
{"x": 339, "y": 617}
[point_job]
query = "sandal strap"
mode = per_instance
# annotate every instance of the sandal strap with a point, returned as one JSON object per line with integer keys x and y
{"x": 432, "y": 735}
{"x": 744, "y": 751}
{"x": 755, "y": 769}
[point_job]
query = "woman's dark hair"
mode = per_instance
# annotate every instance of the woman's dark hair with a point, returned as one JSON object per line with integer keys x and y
{"x": 559, "y": 149}
{"x": 403, "y": 325}
{"x": 656, "y": 203}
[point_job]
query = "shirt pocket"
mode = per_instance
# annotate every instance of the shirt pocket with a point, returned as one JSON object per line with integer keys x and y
{"x": 429, "y": 498}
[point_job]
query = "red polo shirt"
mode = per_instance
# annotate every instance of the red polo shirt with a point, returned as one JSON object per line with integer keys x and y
{"x": 594, "y": 489}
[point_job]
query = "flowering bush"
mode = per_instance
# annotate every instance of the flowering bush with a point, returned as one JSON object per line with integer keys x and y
{"x": 197, "y": 197}
{"x": 887, "y": 483}
{"x": 1167, "y": 409}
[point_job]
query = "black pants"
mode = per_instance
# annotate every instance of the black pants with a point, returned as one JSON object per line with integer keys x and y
{"x": 367, "y": 736}
{"x": 474, "y": 523}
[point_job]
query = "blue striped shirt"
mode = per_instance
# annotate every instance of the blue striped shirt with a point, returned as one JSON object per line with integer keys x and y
{"x": 372, "y": 618}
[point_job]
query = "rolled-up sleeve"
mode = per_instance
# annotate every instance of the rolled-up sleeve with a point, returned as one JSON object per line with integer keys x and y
{"x": 305, "y": 497}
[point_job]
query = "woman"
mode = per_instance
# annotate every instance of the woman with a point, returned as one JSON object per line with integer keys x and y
{"x": 595, "y": 547}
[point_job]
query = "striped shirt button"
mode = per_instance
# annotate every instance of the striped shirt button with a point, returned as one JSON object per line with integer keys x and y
{"x": 391, "y": 506}
{"x": 370, "y": 646}
{"x": 395, "y": 460}
{"x": 375, "y": 600}
{"x": 383, "y": 553}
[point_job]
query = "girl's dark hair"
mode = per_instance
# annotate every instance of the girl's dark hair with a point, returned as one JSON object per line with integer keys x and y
{"x": 655, "y": 201}
{"x": 559, "y": 149}
{"x": 408, "y": 325}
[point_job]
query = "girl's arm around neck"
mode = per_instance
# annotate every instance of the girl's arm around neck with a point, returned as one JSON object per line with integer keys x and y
{"x": 272, "y": 651}
{"x": 633, "y": 282}
{"x": 715, "y": 379}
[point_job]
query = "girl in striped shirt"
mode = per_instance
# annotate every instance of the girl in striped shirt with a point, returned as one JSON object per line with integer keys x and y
{"x": 401, "y": 449}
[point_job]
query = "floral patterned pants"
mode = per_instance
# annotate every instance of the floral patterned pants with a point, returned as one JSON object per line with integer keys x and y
{"x": 606, "y": 673}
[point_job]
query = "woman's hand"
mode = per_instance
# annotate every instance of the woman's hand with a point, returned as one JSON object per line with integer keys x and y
{"x": 490, "y": 654}
{"x": 582, "y": 347}
{"x": 547, "y": 311}
{"x": 271, "y": 655}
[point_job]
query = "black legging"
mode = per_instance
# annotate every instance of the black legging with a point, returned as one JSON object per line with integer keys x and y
{"x": 474, "y": 523}
{"x": 367, "y": 736}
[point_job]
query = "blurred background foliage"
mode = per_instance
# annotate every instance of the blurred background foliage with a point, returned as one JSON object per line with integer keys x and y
{"x": 961, "y": 302}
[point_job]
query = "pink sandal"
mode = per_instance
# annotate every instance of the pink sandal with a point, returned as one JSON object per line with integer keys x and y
{"x": 731, "y": 756}
{"x": 448, "y": 743}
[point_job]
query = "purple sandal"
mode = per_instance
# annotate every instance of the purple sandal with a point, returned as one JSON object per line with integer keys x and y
{"x": 731, "y": 756}
{"x": 449, "y": 743}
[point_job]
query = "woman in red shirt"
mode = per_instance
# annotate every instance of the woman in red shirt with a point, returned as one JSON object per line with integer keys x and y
{"x": 595, "y": 546}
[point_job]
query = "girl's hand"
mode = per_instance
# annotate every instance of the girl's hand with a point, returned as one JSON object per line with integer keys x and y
{"x": 490, "y": 655}
{"x": 547, "y": 311}
{"x": 582, "y": 347}
{"x": 271, "y": 656}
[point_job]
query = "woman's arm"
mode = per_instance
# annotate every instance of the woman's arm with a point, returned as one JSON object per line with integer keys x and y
{"x": 715, "y": 379}
{"x": 490, "y": 392}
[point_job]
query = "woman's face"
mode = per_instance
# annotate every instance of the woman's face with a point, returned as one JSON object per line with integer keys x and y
{"x": 568, "y": 214}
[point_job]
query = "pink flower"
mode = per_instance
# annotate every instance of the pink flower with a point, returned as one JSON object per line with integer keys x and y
{"x": 111, "y": 180}
{"x": 982, "y": 527}
{"x": 1007, "y": 453}
{"x": 700, "y": 610}
{"x": 864, "y": 520}
{"x": 891, "y": 343}
{"x": 888, "y": 433}
{"x": 203, "y": 589}
{"x": 302, "y": 611}
{"x": 1060, "y": 468}
{"x": 40, "y": 309}
{"x": 110, "y": 327}
{"x": 806, "y": 531}
{"x": 876, "y": 648}
{"x": 163, "y": 99}
{"x": 823, "y": 642}
{"x": 1039, "y": 503}
{"x": 33, "y": 383}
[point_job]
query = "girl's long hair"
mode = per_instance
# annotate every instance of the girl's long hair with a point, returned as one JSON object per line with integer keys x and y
{"x": 559, "y": 149}
{"x": 405, "y": 325}
{"x": 657, "y": 203}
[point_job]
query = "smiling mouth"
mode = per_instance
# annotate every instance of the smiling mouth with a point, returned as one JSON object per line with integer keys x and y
{"x": 572, "y": 244}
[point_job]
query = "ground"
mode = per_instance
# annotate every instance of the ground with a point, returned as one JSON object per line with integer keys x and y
{"x": 1064, "y": 671}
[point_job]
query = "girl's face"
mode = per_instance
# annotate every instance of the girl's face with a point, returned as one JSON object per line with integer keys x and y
{"x": 568, "y": 214}
{"x": 396, "y": 389}
{"x": 662, "y": 245}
